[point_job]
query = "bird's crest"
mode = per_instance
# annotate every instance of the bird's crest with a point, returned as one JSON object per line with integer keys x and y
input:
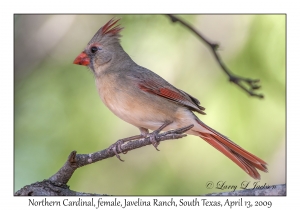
{"x": 107, "y": 32}
{"x": 110, "y": 28}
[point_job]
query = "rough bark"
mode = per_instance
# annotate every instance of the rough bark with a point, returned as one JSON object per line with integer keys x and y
{"x": 274, "y": 190}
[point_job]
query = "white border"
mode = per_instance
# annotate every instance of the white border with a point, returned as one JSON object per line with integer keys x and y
{"x": 154, "y": 6}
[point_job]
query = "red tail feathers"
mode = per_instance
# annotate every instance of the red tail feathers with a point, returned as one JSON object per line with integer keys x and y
{"x": 245, "y": 160}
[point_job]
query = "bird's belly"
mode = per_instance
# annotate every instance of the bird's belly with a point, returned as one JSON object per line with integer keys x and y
{"x": 148, "y": 116}
{"x": 132, "y": 108}
{"x": 135, "y": 113}
{"x": 142, "y": 110}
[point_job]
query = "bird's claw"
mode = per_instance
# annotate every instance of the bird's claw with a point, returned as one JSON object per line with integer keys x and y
{"x": 153, "y": 139}
{"x": 117, "y": 147}
{"x": 154, "y": 135}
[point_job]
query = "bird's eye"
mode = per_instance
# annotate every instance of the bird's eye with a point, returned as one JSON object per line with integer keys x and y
{"x": 94, "y": 49}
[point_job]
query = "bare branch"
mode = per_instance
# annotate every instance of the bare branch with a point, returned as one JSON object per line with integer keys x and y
{"x": 48, "y": 188}
{"x": 75, "y": 161}
{"x": 246, "y": 84}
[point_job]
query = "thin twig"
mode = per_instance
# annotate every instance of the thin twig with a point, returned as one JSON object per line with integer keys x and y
{"x": 239, "y": 81}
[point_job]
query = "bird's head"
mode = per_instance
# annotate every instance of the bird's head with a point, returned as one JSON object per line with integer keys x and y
{"x": 101, "y": 50}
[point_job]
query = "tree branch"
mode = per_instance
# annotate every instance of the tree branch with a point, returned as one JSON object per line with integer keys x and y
{"x": 48, "y": 188}
{"x": 74, "y": 161}
{"x": 246, "y": 84}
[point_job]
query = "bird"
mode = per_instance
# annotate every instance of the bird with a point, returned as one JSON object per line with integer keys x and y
{"x": 142, "y": 98}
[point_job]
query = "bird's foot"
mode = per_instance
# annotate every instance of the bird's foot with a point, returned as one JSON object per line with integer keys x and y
{"x": 154, "y": 137}
{"x": 117, "y": 147}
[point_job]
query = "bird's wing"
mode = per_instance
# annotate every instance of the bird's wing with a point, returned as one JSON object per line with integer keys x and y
{"x": 158, "y": 86}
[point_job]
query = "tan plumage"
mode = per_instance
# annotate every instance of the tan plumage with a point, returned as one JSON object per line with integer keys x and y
{"x": 145, "y": 100}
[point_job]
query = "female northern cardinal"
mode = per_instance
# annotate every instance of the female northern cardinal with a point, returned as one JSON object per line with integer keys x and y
{"x": 145, "y": 100}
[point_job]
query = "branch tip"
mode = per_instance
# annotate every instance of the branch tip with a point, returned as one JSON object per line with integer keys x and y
{"x": 173, "y": 18}
{"x": 72, "y": 157}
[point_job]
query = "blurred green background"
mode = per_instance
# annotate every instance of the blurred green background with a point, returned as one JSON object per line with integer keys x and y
{"x": 57, "y": 108}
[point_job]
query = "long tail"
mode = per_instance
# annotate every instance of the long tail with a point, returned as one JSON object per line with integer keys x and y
{"x": 245, "y": 160}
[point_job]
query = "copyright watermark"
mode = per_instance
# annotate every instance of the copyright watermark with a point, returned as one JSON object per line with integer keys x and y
{"x": 209, "y": 185}
{"x": 223, "y": 185}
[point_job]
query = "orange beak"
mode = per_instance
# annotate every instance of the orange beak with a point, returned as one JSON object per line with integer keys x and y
{"x": 82, "y": 59}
